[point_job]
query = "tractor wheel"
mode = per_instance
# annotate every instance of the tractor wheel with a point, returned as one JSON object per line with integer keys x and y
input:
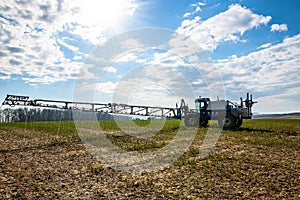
{"x": 203, "y": 123}
{"x": 191, "y": 120}
{"x": 238, "y": 123}
{"x": 228, "y": 122}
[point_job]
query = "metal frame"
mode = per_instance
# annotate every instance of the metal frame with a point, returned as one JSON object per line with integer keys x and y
{"x": 113, "y": 108}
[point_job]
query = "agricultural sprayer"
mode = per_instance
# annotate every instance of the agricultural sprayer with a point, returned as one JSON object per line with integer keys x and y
{"x": 229, "y": 115}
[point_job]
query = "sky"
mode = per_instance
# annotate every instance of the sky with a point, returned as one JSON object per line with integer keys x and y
{"x": 152, "y": 52}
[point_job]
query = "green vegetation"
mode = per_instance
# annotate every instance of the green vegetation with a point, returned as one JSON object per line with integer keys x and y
{"x": 286, "y": 126}
{"x": 265, "y": 132}
{"x": 54, "y": 127}
{"x": 275, "y": 133}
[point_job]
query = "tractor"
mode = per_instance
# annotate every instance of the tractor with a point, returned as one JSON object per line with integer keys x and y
{"x": 228, "y": 114}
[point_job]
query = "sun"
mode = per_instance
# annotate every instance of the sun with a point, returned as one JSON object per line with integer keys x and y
{"x": 105, "y": 13}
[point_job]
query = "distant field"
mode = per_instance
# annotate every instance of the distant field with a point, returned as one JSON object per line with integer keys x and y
{"x": 47, "y": 160}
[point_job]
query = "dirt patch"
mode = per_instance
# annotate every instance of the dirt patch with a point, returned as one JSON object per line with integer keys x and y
{"x": 37, "y": 164}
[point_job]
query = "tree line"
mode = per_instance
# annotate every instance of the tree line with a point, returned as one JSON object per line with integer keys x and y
{"x": 40, "y": 114}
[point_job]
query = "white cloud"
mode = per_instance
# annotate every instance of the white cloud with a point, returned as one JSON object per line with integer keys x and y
{"x": 125, "y": 57}
{"x": 33, "y": 33}
{"x": 279, "y": 27}
{"x": 146, "y": 89}
{"x": 279, "y": 103}
{"x": 225, "y": 26}
{"x": 264, "y": 46}
{"x": 106, "y": 87}
{"x": 111, "y": 69}
{"x": 62, "y": 42}
{"x": 270, "y": 73}
{"x": 186, "y": 14}
{"x": 5, "y": 77}
{"x": 198, "y": 7}
{"x": 131, "y": 44}
{"x": 77, "y": 57}
{"x": 164, "y": 77}
{"x": 198, "y": 4}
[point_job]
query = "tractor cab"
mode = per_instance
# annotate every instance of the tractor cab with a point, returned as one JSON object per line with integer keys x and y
{"x": 203, "y": 114}
{"x": 201, "y": 105}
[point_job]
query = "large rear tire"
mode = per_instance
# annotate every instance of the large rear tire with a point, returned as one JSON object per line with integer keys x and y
{"x": 228, "y": 123}
{"x": 191, "y": 120}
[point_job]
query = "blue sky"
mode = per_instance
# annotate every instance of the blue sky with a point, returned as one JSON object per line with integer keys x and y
{"x": 253, "y": 46}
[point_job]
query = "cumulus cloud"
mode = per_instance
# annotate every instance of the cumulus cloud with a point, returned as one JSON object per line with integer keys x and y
{"x": 106, "y": 87}
{"x": 40, "y": 40}
{"x": 5, "y": 77}
{"x": 186, "y": 14}
{"x": 175, "y": 76}
{"x": 263, "y": 46}
{"x": 271, "y": 73}
{"x": 196, "y": 8}
{"x": 225, "y": 26}
{"x": 279, "y": 27}
{"x": 111, "y": 69}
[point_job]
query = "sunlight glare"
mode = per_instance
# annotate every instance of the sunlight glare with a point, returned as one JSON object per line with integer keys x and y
{"x": 105, "y": 13}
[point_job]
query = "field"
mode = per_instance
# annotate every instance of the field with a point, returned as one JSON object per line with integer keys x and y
{"x": 47, "y": 160}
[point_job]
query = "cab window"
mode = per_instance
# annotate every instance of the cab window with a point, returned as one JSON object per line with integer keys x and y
{"x": 198, "y": 106}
